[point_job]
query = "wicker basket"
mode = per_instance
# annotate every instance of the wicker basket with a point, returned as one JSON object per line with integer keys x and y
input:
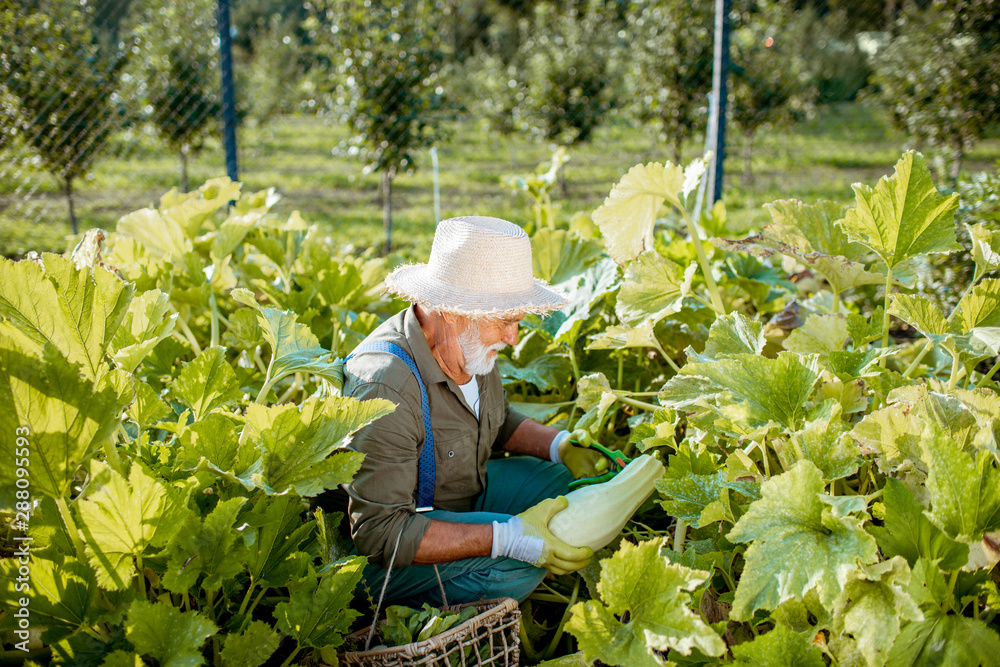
{"x": 491, "y": 638}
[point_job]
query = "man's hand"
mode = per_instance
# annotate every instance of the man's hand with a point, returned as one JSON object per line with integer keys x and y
{"x": 581, "y": 460}
{"x": 526, "y": 537}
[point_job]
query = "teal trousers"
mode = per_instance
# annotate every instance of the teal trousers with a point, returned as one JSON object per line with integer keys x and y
{"x": 512, "y": 485}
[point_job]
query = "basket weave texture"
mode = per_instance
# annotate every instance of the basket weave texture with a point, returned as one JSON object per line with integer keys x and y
{"x": 490, "y": 638}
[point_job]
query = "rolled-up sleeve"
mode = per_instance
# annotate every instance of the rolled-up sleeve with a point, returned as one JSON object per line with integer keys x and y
{"x": 381, "y": 504}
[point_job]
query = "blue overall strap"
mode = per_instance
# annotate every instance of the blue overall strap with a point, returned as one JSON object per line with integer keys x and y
{"x": 425, "y": 467}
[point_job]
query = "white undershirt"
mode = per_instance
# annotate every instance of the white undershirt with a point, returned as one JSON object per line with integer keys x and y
{"x": 471, "y": 392}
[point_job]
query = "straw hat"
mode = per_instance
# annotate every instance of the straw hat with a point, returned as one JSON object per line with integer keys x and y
{"x": 478, "y": 266}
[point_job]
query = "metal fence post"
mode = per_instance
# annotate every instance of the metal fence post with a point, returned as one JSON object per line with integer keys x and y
{"x": 717, "y": 117}
{"x": 228, "y": 94}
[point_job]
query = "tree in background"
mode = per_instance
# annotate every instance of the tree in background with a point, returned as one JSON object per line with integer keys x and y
{"x": 572, "y": 67}
{"x": 769, "y": 81}
{"x": 64, "y": 82}
{"x": 385, "y": 79}
{"x": 940, "y": 76}
{"x": 177, "y": 71}
{"x": 669, "y": 72}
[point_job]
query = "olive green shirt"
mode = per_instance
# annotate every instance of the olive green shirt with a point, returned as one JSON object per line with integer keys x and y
{"x": 382, "y": 497}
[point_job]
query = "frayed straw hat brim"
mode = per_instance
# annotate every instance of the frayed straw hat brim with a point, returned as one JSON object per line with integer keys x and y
{"x": 416, "y": 284}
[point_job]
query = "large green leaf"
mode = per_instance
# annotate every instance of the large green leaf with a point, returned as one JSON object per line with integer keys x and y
{"x": 840, "y": 272}
{"x": 582, "y": 293}
{"x": 167, "y": 634}
{"x": 730, "y": 335}
{"x": 654, "y": 288}
{"x": 985, "y": 249}
{"x": 546, "y": 371}
{"x": 821, "y": 334}
{"x": 799, "y": 543}
{"x": 296, "y": 442}
{"x": 77, "y": 311}
{"x": 145, "y": 324}
{"x": 965, "y": 489}
{"x": 191, "y": 209}
{"x": 558, "y": 255}
{"x": 811, "y": 228}
{"x": 827, "y": 444}
{"x": 213, "y": 549}
{"x": 59, "y": 595}
{"x": 252, "y": 647}
{"x": 980, "y": 307}
{"x": 894, "y": 435}
{"x": 63, "y": 416}
{"x": 273, "y": 536}
{"x": 294, "y": 347}
{"x": 918, "y": 311}
{"x": 904, "y": 215}
{"x": 162, "y": 236}
{"x": 207, "y": 383}
{"x": 121, "y": 518}
{"x": 763, "y": 390}
{"x": 781, "y": 647}
{"x": 618, "y": 338}
{"x": 873, "y": 607}
{"x": 687, "y": 496}
{"x": 317, "y": 613}
{"x": 945, "y": 639}
{"x": 214, "y": 441}
{"x": 907, "y": 532}
{"x": 643, "y": 609}
{"x": 626, "y": 218}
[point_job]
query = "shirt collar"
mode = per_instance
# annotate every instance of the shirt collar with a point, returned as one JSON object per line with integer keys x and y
{"x": 430, "y": 370}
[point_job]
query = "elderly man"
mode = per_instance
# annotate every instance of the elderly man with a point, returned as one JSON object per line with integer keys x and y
{"x": 432, "y": 507}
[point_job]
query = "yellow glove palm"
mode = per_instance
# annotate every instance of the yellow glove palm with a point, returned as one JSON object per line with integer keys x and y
{"x": 579, "y": 459}
{"x": 557, "y": 557}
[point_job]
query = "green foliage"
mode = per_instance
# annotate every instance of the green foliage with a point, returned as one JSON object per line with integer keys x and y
{"x": 168, "y": 501}
{"x": 62, "y": 79}
{"x": 828, "y": 482}
{"x": 569, "y": 91}
{"x": 385, "y": 79}
{"x": 949, "y": 105}
{"x": 670, "y": 67}
{"x": 177, "y": 73}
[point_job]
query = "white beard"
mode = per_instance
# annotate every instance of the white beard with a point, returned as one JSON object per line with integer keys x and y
{"x": 477, "y": 359}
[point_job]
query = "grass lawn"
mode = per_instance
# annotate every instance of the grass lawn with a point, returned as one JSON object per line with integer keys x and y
{"x": 302, "y": 158}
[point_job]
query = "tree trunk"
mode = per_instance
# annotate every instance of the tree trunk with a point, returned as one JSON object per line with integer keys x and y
{"x": 387, "y": 208}
{"x": 68, "y": 190}
{"x": 747, "y": 155}
{"x": 956, "y": 165}
{"x": 184, "y": 168}
{"x": 677, "y": 151}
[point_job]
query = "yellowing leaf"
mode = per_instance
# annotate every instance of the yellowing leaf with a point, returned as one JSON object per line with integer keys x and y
{"x": 171, "y": 636}
{"x": 63, "y": 416}
{"x": 120, "y": 518}
{"x": 798, "y": 543}
{"x": 75, "y": 310}
{"x": 904, "y": 216}
{"x": 638, "y": 581}
{"x": 626, "y": 218}
{"x": 654, "y": 287}
{"x": 207, "y": 383}
{"x": 811, "y": 228}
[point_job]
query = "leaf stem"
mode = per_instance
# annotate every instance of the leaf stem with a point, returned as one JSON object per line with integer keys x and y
{"x": 954, "y": 371}
{"x": 291, "y": 655}
{"x": 551, "y": 649}
{"x": 666, "y": 356}
{"x": 253, "y": 605}
{"x": 74, "y": 534}
{"x": 706, "y": 270}
{"x": 885, "y": 314}
{"x": 140, "y": 582}
{"x": 680, "y": 534}
{"x": 188, "y": 336}
{"x": 111, "y": 455}
{"x": 639, "y": 404}
{"x": 986, "y": 378}
{"x": 214, "y": 311}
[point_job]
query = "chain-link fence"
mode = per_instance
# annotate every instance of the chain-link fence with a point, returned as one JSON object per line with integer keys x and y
{"x": 107, "y": 104}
